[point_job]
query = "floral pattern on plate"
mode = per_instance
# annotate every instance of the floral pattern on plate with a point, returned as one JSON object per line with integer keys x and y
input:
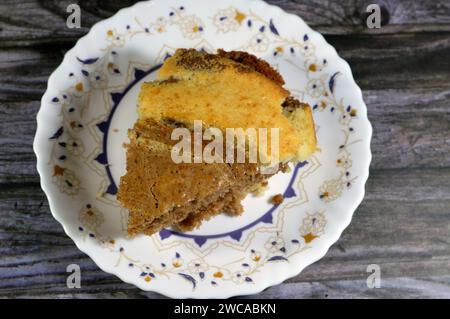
{"x": 89, "y": 105}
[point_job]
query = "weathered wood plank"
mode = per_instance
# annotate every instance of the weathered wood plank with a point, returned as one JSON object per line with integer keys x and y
{"x": 374, "y": 60}
{"x": 349, "y": 17}
{"x": 44, "y": 21}
{"x": 413, "y": 61}
{"x": 17, "y": 159}
{"x": 411, "y": 128}
{"x": 402, "y": 225}
{"x": 25, "y": 71}
{"x": 391, "y": 288}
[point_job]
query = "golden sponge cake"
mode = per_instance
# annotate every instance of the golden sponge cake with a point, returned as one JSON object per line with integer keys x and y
{"x": 223, "y": 93}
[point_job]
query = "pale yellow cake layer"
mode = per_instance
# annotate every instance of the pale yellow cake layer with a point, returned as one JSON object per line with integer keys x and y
{"x": 225, "y": 95}
{"x": 302, "y": 120}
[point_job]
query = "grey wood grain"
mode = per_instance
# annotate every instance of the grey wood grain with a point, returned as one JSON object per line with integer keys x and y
{"x": 403, "y": 224}
{"x": 405, "y": 232}
{"x": 28, "y": 22}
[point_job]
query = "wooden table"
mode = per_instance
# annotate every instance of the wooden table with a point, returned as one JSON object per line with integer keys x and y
{"x": 403, "y": 225}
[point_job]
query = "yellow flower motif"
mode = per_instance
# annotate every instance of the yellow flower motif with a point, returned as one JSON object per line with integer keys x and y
{"x": 79, "y": 87}
{"x": 239, "y": 17}
{"x": 98, "y": 79}
{"x": 312, "y": 67}
{"x": 331, "y": 190}
{"x": 255, "y": 256}
{"x": 177, "y": 262}
{"x": 227, "y": 20}
{"x": 315, "y": 88}
{"x": 309, "y": 237}
{"x": 91, "y": 218}
{"x": 116, "y": 39}
{"x": 160, "y": 25}
{"x": 218, "y": 274}
{"x": 58, "y": 170}
{"x": 345, "y": 161}
{"x": 74, "y": 146}
{"x": 66, "y": 181}
{"x": 313, "y": 225}
{"x": 148, "y": 278}
{"x": 76, "y": 126}
{"x": 191, "y": 27}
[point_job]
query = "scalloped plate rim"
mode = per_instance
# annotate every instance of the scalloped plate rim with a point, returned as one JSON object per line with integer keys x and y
{"x": 215, "y": 293}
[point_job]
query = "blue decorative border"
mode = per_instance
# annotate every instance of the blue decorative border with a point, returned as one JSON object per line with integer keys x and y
{"x": 104, "y": 126}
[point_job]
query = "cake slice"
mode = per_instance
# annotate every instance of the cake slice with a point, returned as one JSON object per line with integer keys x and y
{"x": 223, "y": 90}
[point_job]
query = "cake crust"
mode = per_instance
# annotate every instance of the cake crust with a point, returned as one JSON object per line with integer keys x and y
{"x": 255, "y": 64}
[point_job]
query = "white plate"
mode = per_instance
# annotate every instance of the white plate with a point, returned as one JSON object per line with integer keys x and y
{"x": 91, "y": 102}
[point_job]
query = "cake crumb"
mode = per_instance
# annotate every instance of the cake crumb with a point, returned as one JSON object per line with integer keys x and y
{"x": 259, "y": 189}
{"x": 285, "y": 168}
{"x": 277, "y": 199}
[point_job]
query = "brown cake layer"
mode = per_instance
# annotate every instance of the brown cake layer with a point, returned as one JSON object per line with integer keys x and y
{"x": 180, "y": 195}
